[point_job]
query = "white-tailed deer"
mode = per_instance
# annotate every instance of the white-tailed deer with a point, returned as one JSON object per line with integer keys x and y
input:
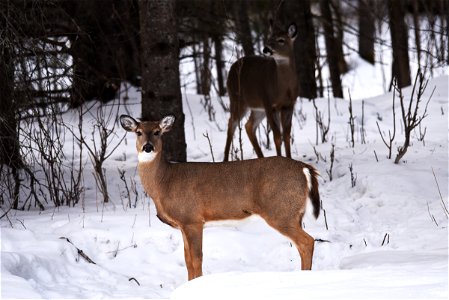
{"x": 187, "y": 195}
{"x": 267, "y": 86}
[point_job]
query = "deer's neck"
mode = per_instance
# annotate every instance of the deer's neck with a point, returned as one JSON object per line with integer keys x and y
{"x": 152, "y": 175}
{"x": 286, "y": 64}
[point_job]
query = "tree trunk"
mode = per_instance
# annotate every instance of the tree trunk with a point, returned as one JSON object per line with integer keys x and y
{"x": 366, "y": 30}
{"x": 218, "y": 44}
{"x": 417, "y": 31}
{"x": 331, "y": 45}
{"x": 9, "y": 139}
{"x": 9, "y": 143}
{"x": 206, "y": 76}
{"x": 338, "y": 25}
{"x": 104, "y": 47}
{"x": 399, "y": 42}
{"x": 243, "y": 27}
{"x": 161, "y": 92}
{"x": 306, "y": 51}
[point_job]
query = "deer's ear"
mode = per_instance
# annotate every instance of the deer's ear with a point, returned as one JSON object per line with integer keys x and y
{"x": 128, "y": 123}
{"x": 167, "y": 123}
{"x": 292, "y": 31}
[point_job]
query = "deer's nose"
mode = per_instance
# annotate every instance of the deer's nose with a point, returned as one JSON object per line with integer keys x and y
{"x": 267, "y": 51}
{"x": 148, "y": 148}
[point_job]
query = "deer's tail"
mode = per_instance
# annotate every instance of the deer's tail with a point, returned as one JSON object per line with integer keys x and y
{"x": 312, "y": 183}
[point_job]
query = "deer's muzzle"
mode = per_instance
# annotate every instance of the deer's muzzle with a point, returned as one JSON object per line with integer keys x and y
{"x": 267, "y": 51}
{"x": 148, "y": 148}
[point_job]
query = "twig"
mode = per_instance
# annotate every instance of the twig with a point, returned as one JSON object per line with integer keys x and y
{"x": 446, "y": 212}
{"x": 386, "y": 239}
{"x": 351, "y": 119}
{"x": 375, "y": 154}
{"x": 206, "y": 135}
{"x": 80, "y": 252}
{"x": 134, "y": 279}
{"x": 430, "y": 214}
{"x": 332, "y": 157}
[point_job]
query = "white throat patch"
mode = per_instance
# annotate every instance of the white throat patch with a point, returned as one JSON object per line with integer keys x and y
{"x": 146, "y": 157}
{"x": 281, "y": 60}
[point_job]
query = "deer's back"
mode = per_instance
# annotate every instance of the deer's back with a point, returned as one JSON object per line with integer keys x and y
{"x": 234, "y": 190}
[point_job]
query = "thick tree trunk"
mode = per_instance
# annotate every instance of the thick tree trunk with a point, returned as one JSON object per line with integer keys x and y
{"x": 9, "y": 143}
{"x": 218, "y": 44}
{"x": 366, "y": 30}
{"x": 9, "y": 139}
{"x": 399, "y": 42}
{"x": 161, "y": 94}
{"x": 339, "y": 30}
{"x": 206, "y": 76}
{"x": 305, "y": 43}
{"x": 104, "y": 48}
{"x": 243, "y": 27}
{"x": 331, "y": 46}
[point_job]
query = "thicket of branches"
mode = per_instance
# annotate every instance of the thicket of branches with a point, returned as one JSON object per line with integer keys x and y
{"x": 56, "y": 55}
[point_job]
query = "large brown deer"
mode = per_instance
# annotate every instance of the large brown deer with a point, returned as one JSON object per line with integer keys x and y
{"x": 187, "y": 195}
{"x": 267, "y": 86}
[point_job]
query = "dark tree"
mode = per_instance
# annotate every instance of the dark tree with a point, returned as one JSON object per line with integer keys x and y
{"x": 305, "y": 50}
{"x": 366, "y": 30}
{"x": 9, "y": 144}
{"x": 399, "y": 42}
{"x": 217, "y": 39}
{"x": 105, "y": 47}
{"x": 9, "y": 139}
{"x": 161, "y": 94}
{"x": 331, "y": 46}
{"x": 243, "y": 28}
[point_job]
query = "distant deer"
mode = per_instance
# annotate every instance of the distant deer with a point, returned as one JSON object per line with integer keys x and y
{"x": 187, "y": 195}
{"x": 267, "y": 86}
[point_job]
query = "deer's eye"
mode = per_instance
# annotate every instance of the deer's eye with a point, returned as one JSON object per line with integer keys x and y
{"x": 281, "y": 41}
{"x": 139, "y": 133}
{"x": 156, "y": 133}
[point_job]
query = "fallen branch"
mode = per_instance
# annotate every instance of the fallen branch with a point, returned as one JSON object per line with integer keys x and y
{"x": 87, "y": 258}
{"x": 80, "y": 252}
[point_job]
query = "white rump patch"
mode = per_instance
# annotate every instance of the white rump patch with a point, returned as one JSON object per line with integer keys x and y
{"x": 308, "y": 177}
{"x": 146, "y": 157}
{"x": 309, "y": 205}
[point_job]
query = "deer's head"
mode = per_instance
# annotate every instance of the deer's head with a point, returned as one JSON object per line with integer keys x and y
{"x": 149, "y": 135}
{"x": 280, "y": 42}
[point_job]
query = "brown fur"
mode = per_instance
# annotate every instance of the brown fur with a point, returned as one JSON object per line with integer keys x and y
{"x": 259, "y": 84}
{"x": 187, "y": 195}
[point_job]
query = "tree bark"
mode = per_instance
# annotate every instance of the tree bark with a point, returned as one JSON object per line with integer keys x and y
{"x": 104, "y": 47}
{"x": 331, "y": 44}
{"x": 218, "y": 44}
{"x": 339, "y": 30}
{"x": 366, "y": 30}
{"x": 399, "y": 42}
{"x": 9, "y": 143}
{"x": 161, "y": 93}
{"x": 243, "y": 27}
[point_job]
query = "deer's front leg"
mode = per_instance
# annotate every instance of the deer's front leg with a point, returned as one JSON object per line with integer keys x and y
{"x": 193, "y": 249}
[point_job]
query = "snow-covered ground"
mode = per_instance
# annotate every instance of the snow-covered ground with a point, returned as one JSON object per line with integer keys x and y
{"x": 384, "y": 238}
{"x": 387, "y": 236}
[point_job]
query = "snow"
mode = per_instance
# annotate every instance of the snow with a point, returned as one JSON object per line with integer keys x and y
{"x": 384, "y": 238}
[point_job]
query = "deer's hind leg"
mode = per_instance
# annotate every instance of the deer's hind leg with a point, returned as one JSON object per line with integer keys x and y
{"x": 303, "y": 241}
{"x": 238, "y": 110}
{"x": 273, "y": 117}
{"x": 257, "y": 115}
